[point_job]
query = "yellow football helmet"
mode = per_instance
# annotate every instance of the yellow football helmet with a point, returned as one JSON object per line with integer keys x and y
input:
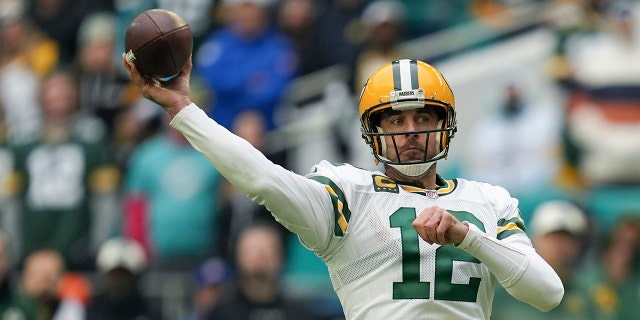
{"x": 404, "y": 85}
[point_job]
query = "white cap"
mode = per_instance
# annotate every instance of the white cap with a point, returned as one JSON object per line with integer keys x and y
{"x": 97, "y": 27}
{"x": 121, "y": 253}
{"x": 382, "y": 11}
{"x": 558, "y": 215}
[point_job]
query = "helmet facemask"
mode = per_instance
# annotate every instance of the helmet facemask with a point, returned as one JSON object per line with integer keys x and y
{"x": 375, "y": 137}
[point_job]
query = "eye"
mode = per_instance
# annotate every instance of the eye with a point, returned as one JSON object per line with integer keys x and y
{"x": 423, "y": 118}
{"x": 397, "y": 120}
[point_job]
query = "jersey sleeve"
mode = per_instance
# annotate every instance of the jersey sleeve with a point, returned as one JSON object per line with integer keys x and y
{"x": 331, "y": 177}
{"x": 511, "y": 257}
{"x": 300, "y": 204}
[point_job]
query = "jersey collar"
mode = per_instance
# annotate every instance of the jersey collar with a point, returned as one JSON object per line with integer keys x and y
{"x": 443, "y": 186}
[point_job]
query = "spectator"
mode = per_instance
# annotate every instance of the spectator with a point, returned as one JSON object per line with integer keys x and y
{"x": 384, "y": 20}
{"x": 559, "y": 230}
{"x": 613, "y": 282}
{"x": 125, "y": 11}
{"x": 136, "y": 123}
{"x": 299, "y": 20}
{"x": 604, "y": 105}
{"x": 74, "y": 292}
{"x": 342, "y": 32}
{"x": 567, "y": 18}
{"x": 227, "y": 65}
{"x": 38, "y": 286}
{"x": 258, "y": 264}
{"x": 26, "y": 55}
{"x": 68, "y": 181}
{"x": 517, "y": 144}
{"x": 602, "y": 130}
{"x": 165, "y": 180}
{"x": 101, "y": 87}
{"x": 197, "y": 13}
{"x": 121, "y": 263}
{"x": 212, "y": 281}
{"x": 19, "y": 98}
{"x": 26, "y": 44}
{"x": 61, "y": 20}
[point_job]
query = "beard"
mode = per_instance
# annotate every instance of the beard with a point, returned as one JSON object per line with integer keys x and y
{"x": 261, "y": 276}
{"x": 412, "y": 151}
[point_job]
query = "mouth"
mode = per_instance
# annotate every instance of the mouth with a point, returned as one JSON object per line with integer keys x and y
{"x": 411, "y": 154}
{"x": 412, "y": 148}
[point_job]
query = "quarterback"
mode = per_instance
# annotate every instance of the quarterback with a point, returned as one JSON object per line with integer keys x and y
{"x": 401, "y": 244}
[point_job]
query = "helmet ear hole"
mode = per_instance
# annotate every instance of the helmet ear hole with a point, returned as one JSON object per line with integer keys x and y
{"x": 441, "y": 113}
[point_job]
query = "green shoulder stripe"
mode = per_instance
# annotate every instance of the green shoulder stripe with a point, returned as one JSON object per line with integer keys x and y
{"x": 340, "y": 207}
{"x": 507, "y": 227}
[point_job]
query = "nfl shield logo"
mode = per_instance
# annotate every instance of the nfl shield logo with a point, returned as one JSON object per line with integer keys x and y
{"x": 432, "y": 194}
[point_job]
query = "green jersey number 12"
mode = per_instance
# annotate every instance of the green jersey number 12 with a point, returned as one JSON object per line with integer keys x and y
{"x": 411, "y": 287}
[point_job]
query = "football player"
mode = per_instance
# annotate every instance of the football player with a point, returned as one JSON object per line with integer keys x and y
{"x": 401, "y": 244}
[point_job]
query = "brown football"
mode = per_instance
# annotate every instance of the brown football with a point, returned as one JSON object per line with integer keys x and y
{"x": 159, "y": 42}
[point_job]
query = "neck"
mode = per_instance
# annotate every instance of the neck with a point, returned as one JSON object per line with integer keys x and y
{"x": 260, "y": 291}
{"x": 426, "y": 180}
{"x": 56, "y": 131}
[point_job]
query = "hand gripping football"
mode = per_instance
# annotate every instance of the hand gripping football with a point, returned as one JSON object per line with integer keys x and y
{"x": 159, "y": 42}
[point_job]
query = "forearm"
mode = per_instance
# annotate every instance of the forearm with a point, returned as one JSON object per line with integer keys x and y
{"x": 523, "y": 273}
{"x": 239, "y": 162}
{"x": 292, "y": 198}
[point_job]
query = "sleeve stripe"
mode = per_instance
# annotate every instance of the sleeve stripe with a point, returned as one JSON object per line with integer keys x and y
{"x": 506, "y": 233}
{"x": 510, "y": 227}
{"x": 340, "y": 206}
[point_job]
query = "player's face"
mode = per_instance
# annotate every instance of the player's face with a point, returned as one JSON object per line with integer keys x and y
{"x": 411, "y": 146}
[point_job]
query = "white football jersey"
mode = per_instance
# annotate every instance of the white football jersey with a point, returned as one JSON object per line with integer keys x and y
{"x": 379, "y": 266}
{"x": 359, "y": 223}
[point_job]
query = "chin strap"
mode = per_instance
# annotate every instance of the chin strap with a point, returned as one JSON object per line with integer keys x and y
{"x": 412, "y": 170}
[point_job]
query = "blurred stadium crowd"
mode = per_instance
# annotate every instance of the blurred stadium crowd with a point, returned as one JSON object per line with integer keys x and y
{"x": 108, "y": 213}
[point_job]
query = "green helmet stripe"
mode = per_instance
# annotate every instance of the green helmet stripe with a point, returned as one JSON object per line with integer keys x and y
{"x": 397, "y": 82}
{"x": 405, "y": 74}
{"x": 413, "y": 71}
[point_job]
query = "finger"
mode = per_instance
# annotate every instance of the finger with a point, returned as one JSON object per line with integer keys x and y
{"x": 145, "y": 83}
{"x": 187, "y": 68}
{"x": 427, "y": 226}
{"x": 126, "y": 66}
{"x": 441, "y": 229}
{"x": 431, "y": 231}
{"x": 420, "y": 224}
{"x": 423, "y": 234}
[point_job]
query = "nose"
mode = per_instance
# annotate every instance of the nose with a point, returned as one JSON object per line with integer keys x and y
{"x": 411, "y": 125}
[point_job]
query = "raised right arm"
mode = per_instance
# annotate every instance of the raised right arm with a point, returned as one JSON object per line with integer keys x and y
{"x": 302, "y": 205}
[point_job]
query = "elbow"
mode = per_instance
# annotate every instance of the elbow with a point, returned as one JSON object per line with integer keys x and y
{"x": 543, "y": 290}
{"x": 553, "y": 294}
{"x": 552, "y": 298}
